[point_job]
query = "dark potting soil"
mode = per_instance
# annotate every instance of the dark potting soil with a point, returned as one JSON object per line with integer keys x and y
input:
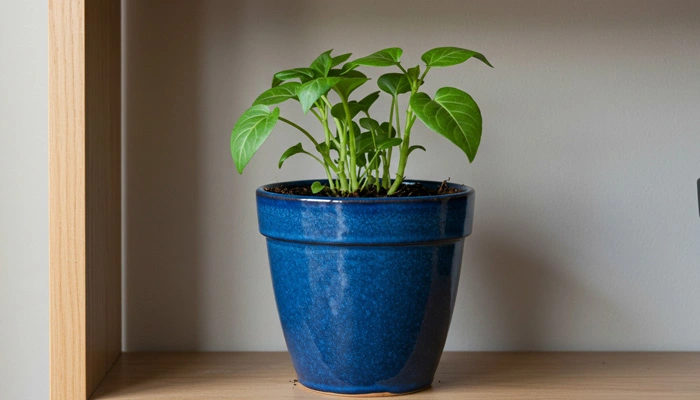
{"x": 411, "y": 190}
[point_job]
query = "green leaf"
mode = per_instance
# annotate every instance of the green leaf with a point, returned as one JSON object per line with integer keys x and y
{"x": 447, "y": 56}
{"x": 322, "y": 63}
{"x": 324, "y": 149}
{"x": 346, "y": 74}
{"x": 354, "y": 74}
{"x": 369, "y": 124}
{"x": 384, "y": 128}
{"x": 365, "y": 143}
{"x": 368, "y": 100}
{"x": 278, "y": 94}
{"x": 394, "y": 83}
{"x": 296, "y": 149}
{"x": 453, "y": 114}
{"x": 384, "y": 143}
{"x": 416, "y": 147}
{"x": 337, "y": 60}
{"x": 345, "y": 86}
{"x": 312, "y": 90}
{"x": 338, "y": 111}
{"x": 382, "y": 58}
{"x": 317, "y": 187}
{"x": 295, "y": 73}
{"x": 413, "y": 73}
{"x": 251, "y": 130}
{"x": 361, "y": 160}
{"x": 347, "y": 67}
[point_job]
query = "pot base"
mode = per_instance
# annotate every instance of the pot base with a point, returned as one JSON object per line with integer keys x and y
{"x": 378, "y": 394}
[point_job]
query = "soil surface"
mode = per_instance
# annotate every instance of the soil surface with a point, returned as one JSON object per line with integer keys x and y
{"x": 411, "y": 190}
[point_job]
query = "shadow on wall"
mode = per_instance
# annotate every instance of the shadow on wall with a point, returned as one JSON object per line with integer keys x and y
{"x": 525, "y": 300}
{"x": 165, "y": 126}
{"x": 161, "y": 158}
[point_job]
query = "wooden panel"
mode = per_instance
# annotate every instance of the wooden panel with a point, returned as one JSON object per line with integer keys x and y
{"x": 241, "y": 376}
{"x": 103, "y": 186}
{"x": 85, "y": 194}
{"x": 66, "y": 199}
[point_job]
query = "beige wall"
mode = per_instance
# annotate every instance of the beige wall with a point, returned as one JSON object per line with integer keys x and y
{"x": 586, "y": 234}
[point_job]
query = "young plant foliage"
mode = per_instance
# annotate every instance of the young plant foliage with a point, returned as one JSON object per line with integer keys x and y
{"x": 296, "y": 149}
{"x": 250, "y": 132}
{"x": 453, "y": 114}
{"x": 448, "y": 56}
{"x": 322, "y": 64}
{"x": 394, "y": 84}
{"x": 311, "y": 91}
{"x": 297, "y": 73}
{"x": 383, "y": 58}
{"x": 278, "y": 94}
{"x": 351, "y": 158}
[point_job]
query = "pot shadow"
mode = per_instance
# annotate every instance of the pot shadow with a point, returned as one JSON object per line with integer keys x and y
{"x": 517, "y": 296}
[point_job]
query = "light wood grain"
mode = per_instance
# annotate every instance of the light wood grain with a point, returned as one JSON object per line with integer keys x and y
{"x": 67, "y": 199}
{"x": 241, "y": 376}
{"x": 85, "y": 194}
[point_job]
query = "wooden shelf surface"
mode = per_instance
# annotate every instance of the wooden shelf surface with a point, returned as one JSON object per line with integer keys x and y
{"x": 461, "y": 375}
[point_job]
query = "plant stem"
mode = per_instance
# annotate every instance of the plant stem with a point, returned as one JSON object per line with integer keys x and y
{"x": 403, "y": 155}
{"x": 317, "y": 159}
{"x": 327, "y": 162}
{"x": 353, "y": 157}
{"x": 330, "y": 178}
{"x": 327, "y": 133}
{"x": 398, "y": 119}
{"x": 342, "y": 180}
{"x": 410, "y": 119}
{"x": 374, "y": 165}
{"x": 302, "y": 130}
{"x": 367, "y": 174}
{"x": 420, "y": 81}
{"x": 374, "y": 134}
{"x": 405, "y": 144}
{"x": 315, "y": 113}
{"x": 386, "y": 180}
{"x": 386, "y": 174}
{"x": 342, "y": 159}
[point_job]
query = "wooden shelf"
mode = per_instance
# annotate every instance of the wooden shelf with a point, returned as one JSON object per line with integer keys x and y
{"x": 85, "y": 248}
{"x": 242, "y": 376}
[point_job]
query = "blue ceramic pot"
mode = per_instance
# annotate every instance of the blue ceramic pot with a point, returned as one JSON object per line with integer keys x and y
{"x": 365, "y": 287}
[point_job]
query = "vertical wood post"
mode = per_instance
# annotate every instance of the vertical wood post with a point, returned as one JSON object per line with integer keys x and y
{"x": 84, "y": 193}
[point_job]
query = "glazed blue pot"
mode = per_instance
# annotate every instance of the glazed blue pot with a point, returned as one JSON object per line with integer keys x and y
{"x": 365, "y": 287}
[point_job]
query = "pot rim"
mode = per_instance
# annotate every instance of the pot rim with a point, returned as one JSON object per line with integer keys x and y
{"x": 465, "y": 191}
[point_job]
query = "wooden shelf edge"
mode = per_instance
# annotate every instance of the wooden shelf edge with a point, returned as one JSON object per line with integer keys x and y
{"x": 84, "y": 194}
{"x": 482, "y": 375}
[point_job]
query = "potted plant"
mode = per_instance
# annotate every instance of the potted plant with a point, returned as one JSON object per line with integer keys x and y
{"x": 365, "y": 265}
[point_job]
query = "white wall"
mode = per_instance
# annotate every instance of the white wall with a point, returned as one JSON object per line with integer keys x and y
{"x": 586, "y": 234}
{"x": 24, "y": 295}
